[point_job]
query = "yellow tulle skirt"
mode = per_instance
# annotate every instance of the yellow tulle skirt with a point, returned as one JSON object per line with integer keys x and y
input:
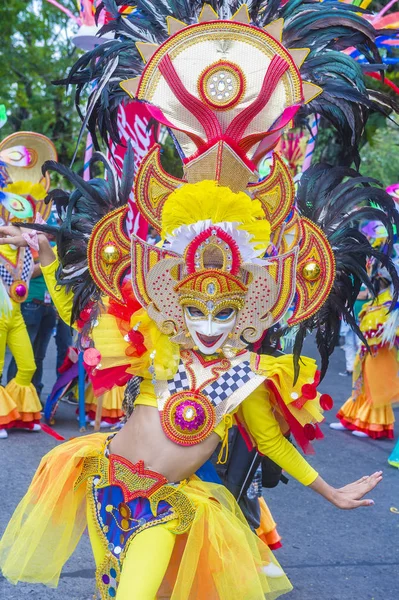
{"x": 219, "y": 558}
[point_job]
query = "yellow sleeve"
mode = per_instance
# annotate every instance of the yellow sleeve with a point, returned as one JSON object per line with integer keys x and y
{"x": 62, "y": 299}
{"x": 263, "y": 427}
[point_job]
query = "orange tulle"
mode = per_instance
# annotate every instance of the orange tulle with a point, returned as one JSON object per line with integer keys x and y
{"x": 267, "y": 531}
{"x": 219, "y": 558}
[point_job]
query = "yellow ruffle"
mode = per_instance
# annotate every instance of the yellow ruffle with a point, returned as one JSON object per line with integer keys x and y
{"x": 110, "y": 342}
{"x": 112, "y": 402}
{"x": 8, "y": 409}
{"x": 26, "y": 400}
{"x": 206, "y": 200}
{"x": 219, "y": 557}
{"x": 360, "y": 414}
{"x": 280, "y": 371}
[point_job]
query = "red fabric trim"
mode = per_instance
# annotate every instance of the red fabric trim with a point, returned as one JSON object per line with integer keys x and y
{"x": 375, "y": 435}
{"x": 296, "y": 428}
{"x": 387, "y": 81}
{"x": 269, "y": 138}
{"x": 105, "y": 379}
{"x": 276, "y": 70}
{"x": 200, "y": 111}
{"x": 158, "y": 115}
{"x": 244, "y": 434}
{"x": 275, "y": 546}
{"x": 229, "y": 142}
{"x": 50, "y": 431}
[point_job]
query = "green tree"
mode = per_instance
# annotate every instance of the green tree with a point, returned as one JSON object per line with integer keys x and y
{"x": 36, "y": 49}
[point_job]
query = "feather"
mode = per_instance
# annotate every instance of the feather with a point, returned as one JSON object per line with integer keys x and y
{"x": 338, "y": 199}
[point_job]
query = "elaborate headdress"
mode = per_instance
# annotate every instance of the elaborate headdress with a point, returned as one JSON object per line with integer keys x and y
{"x": 23, "y": 188}
{"x": 227, "y": 81}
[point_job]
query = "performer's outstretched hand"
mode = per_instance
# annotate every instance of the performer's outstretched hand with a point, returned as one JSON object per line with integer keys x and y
{"x": 11, "y": 234}
{"x": 351, "y": 495}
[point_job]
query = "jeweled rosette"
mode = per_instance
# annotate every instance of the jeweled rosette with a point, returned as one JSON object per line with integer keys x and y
{"x": 188, "y": 418}
{"x": 18, "y": 291}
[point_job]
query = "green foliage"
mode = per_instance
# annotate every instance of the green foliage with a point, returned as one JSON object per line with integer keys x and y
{"x": 36, "y": 49}
{"x": 380, "y": 153}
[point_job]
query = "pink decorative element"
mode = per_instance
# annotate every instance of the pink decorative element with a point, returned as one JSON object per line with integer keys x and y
{"x": 91, "y": 357}
{"x": 309, "y": 391}
{"x": 309, "y": 431}
{"x": 65, "y": 10}
{"x": 276, "y": 70}
{"x": 202, "y": 237}
{"x": 133, "y": 120}
{"x": 326, "y": 402}
{"x": 20, "y": 290}
{"x": 196, "y": 422}
{"x": 30, "y": 236}
{"x": 203, "y": 113}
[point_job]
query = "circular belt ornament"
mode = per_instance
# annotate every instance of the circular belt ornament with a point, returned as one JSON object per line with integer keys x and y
{"x": 19, "y": 291}
{"x": 188, "y": 418}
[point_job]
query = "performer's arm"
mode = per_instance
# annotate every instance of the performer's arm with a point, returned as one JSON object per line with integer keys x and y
{"x": 62, "y": 299}
{"x": 265, "y": 430}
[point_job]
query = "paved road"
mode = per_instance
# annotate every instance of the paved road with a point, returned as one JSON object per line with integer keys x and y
{"x": 328, "y": 554}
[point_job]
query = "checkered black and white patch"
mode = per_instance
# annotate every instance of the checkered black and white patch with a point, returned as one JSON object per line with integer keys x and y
{"x": 28, "y": 264}
{"x": 228, "y": 383}
{"x": 8, "y": 279}
{"x": 180, "y": 381}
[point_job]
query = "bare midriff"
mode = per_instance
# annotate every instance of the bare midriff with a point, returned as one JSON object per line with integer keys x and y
{"x": 142, "y": 438}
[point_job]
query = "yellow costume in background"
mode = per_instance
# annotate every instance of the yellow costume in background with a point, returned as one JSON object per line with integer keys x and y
{"x": 375, "y": 375}
{"x": 19, "y": 402}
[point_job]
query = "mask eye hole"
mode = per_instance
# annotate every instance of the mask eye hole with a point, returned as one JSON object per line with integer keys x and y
{"x": 224, "y": 314}
{"x": 195, "y": 312}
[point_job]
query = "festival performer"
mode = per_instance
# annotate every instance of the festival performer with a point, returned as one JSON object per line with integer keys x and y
{"x": 236, "y": 254}
{"x": 368, "y": 412}
{"x": 23, "y": 189}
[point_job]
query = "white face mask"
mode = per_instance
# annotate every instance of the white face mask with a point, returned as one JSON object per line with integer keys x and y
{"x": 209, "y": 332}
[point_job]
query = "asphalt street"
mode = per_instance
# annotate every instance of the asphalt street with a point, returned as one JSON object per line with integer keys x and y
{"x": 328, "y": 554}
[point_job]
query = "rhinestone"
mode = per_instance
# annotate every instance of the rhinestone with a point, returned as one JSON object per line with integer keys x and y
{"x": 117, "y": 550}
{"x": 228, "y": 80}
{"x": 220, "y": 97}
{"x": 111, "y": 547}
{"x": 294, "y": 396}
{"x": 214, "y": 232}
{"x": 211, "y": 289}
{"x": 141, "y": 522}
{"x": 212, "y": 86}
{"x": 221, "y": 86}
{"x": 226, "y": 94}
{"x": 222, "y": 75}
{"x": 230, "y": 87}
{"x": 189, "y": 413}
{"x": 210, "y": 305}
{"x": 215, "y": 78}
{"x": 126, "y": 338}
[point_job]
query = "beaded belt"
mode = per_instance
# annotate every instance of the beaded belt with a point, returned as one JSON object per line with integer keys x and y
{"x": 124, "y": 499}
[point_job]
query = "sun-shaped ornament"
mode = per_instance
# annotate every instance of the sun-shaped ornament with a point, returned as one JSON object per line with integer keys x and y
{"x": 222, "y": 85}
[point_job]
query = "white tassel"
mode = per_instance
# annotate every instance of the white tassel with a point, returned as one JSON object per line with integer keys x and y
{"x": 390, "y": 328}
